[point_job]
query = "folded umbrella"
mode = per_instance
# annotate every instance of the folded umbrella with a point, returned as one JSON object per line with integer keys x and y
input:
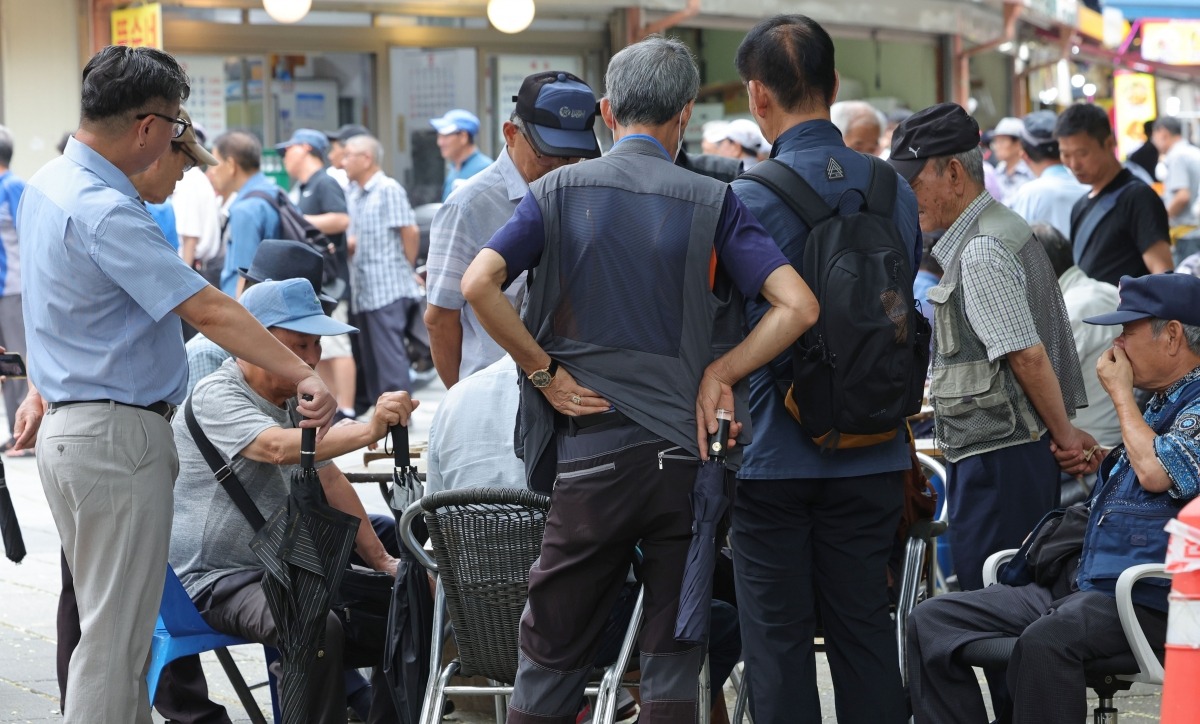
{"x": 304, "y": 547}
{"x": 14, "y": 544}
{"x": 709, "y": 502}
{"x": 410, "y": 620}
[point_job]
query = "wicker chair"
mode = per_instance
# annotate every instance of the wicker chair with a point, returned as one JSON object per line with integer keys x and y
{"x": 484, "y": 542}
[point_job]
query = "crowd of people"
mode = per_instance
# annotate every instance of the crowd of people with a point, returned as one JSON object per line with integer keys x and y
{"x": 592, "y": 316}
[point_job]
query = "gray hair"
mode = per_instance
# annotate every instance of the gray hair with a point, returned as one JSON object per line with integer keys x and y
{"x": 369, "y": 144}
{"x": 971, "y": 161}
{"x": 1191, "y": 333}
{"x": 845, "y": 114}
{"x": 6, "y": 148}
{"x": 650, "y": 82}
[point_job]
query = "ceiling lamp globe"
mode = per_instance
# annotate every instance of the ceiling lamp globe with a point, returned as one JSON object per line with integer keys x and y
{"x": 510, "y": 16}
{"x": 287, "y": 11}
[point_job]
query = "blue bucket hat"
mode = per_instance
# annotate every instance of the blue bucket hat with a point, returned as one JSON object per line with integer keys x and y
{"x": 291, "y": 304}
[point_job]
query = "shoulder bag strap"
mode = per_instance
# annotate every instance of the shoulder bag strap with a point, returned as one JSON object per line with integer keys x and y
{"x": 222, "y": 471}
{"x": 1091, "y": 221}
{"x": 792, "y": 189}
{"x": 881, "y": 192}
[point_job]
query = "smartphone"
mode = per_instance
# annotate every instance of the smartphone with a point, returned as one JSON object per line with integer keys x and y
{"x": 12, "y": 366}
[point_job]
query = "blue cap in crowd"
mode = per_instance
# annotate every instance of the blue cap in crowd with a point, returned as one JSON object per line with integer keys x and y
{"x": 456, "y": 121}
{"x": 1161, "y": 296}
{"x": 559, "y": 111}
{"x": 291, "y": 304}
{"x": 317, "y": 140}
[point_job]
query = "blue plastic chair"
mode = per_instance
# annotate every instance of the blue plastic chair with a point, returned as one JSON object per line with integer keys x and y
{"x": 180, "y": 631}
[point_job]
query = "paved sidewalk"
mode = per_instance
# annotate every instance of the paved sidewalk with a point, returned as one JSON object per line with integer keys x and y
{"x": 29, "y": 597}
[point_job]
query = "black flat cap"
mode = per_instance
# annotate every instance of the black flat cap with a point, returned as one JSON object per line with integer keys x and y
{"x": 941, "y": 130}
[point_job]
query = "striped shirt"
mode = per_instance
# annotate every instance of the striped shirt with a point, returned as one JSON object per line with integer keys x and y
{"x": 379, "y": 272}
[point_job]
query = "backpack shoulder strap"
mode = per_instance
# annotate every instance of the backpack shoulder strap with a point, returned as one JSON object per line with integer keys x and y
{"x": 792, "y": 189}
{"x": 272, "y": 199}
{"x": 881, "y": 192}
{"x": 222, "y": 471}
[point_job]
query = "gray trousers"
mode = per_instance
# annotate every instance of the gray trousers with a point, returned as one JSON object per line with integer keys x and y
{"x": 1046, "y": 672}
{"x": 12, "y": 339}
{"x": 108, "y": 472}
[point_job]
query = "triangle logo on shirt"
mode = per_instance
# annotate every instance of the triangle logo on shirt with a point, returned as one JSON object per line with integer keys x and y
{"x": 833, "y": 170}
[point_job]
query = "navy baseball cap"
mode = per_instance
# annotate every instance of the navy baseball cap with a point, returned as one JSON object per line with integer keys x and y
{"x": 1161, "y": 296}
{"x": 559, "y": 110}
{"x": 941, "y": 130}
{"x": 291, "y": 304}
{"x": 346, "y": 132}
{"x": 456, "y": 121}
{"x": 316, "y": 139}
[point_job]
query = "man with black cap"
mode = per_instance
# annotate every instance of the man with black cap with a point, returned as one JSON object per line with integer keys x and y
{"x": 1142, "y": 485}
{"x": 1005, "y": 370}
{"x": 1050, "y": 196}
{"x": 539, "y": 138}
{"x": 812, "y": 528}
{"x": 337, "y": 151}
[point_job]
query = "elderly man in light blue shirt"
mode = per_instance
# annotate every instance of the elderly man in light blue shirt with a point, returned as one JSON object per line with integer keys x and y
{"x": 105, "y": 296}
{"x": 474, "y": 212}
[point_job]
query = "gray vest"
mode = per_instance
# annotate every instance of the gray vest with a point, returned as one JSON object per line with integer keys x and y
{"x": 621, "y": 295}
{"x": 978, "y": 404}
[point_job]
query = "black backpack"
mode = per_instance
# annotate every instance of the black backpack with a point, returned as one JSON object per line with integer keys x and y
{"x": 293, "y": 226}
{"x": 860, "y": 370}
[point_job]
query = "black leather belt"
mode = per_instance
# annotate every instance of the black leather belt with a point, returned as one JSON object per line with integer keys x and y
{"x": 592, "y": 423}
{"x": 166, "y": 409}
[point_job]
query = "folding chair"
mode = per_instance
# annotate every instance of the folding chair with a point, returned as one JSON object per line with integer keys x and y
{"x": 180, "y": 631}
{"x": 1105, "y": 676}
{"x": 485, "y": 540}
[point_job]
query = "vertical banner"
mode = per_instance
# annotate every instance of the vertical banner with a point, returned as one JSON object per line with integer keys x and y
{"x": 139, "y": 26}
{"x": 1133, "y": 105}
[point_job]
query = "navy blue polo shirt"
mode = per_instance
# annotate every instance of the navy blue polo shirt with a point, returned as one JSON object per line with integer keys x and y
{"x": 780, "y": 449}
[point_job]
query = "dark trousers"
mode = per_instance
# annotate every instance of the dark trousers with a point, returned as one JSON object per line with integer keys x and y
{"x": 803, "y": 547}
{"x": 604, "y": 505}
{"x": 995, "y": 499}
{"x": 1046, "y": 672}
{"x": 385, "y": 358}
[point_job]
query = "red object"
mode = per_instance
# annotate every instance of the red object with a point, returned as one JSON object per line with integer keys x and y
{"x": 1180, "y": 704}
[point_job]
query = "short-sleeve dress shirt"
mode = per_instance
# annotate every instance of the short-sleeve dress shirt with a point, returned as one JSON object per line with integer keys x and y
{"x": 251, "y": 220}
{"x": 99, "y": 281}
{"x": 380, "y": 273}
{"x": 462, "y": 226}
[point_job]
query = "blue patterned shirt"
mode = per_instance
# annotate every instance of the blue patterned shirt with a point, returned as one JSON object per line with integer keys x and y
{"x": 379, "y": 271}
{"x": 1178, "y": 450}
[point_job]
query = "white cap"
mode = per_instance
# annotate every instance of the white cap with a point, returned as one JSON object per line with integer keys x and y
{"x": 715, "y": 131}
{"x": 1009, "y": 127}
{"x": 745, "y": 133}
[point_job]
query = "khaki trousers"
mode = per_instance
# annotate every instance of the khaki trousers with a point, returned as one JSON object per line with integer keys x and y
{"x": 109, "y": 472}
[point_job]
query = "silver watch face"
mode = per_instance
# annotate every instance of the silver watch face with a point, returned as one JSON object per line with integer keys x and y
{"x": 541, "y": 378}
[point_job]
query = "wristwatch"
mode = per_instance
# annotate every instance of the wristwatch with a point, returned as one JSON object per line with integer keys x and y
{"x": 543, "y": 377}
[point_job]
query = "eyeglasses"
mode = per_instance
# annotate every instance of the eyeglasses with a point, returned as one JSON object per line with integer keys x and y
{"x": 179, "y": 126}
{"x": 191, "y": 160}
{"x": 525, "y": 135}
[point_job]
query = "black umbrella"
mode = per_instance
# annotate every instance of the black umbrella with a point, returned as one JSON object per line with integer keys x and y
{"x": 305, "y": 547}
{"x": 410, "y": 620}
{"x": 709, "y": 502}
{"x": 14, "y": 544}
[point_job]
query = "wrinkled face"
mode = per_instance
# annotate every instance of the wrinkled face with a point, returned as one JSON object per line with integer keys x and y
{"x": 936, "y": 201}
{"x": 1087, "y": 158}
{"x": 306, "y": 346}
{"x": 156, "y": 183}
{"x": 863, "y": 137}
{"x": 525, "y": 157}
{"x": 1007, "y": 149}
{"x": 1148, "y": 354}
{"x": 453, "y": 145}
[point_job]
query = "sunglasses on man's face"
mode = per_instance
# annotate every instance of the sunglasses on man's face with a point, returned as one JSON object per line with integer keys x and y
{"x": 178, "y": 127}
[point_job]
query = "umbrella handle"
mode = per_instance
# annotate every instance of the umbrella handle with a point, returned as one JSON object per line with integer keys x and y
{"x": 718, "y": 440}
{"x": 308, "y": 445}
{"x": 400, "y": 454}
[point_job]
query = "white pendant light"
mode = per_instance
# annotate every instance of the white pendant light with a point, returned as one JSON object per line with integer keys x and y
{"x": 287, "y": 11}
{"x": 510, "y": 16}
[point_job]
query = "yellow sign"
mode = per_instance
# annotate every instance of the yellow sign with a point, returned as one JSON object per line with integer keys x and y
{"x": 1176, "y": 42}
{"x": 1134, "y": 103}
{"x": 138, "y": 27}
